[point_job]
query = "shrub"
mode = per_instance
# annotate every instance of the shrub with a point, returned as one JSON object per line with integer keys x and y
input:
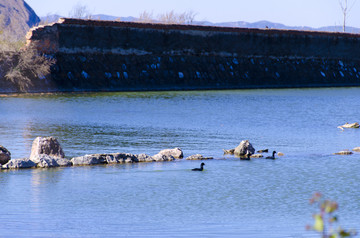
{"x": 325, "y": 220}
{"x": 25, "y": 66}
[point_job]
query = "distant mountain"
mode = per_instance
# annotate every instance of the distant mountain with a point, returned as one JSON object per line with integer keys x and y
{"x": 243, "y": 24}
{"x": 55, "y": 18}
{"x": 16, "y": 18}
{"x": 271, "y": 25}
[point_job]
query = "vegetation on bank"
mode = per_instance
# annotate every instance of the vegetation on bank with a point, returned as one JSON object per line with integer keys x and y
{"x": 21, "y": 65}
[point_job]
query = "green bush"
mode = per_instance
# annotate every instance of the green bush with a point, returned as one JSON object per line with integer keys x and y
{"x": 326, "y": 221}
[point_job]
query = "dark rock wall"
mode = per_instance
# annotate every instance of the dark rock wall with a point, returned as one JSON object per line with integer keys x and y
{"x": 116, "y": 56}
{"x": 111, "y": 72}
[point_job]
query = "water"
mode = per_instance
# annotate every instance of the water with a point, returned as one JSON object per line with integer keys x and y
{"x": 231, "y": 198}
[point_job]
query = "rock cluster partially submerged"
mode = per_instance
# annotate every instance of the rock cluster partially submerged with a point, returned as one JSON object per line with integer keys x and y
{"x": 343, "y": 152}
{"x": 46, "y": 152}
{"x": 244, "y": 148}
{"x": 198, "y": 157}
{"x": 349, "y": 125}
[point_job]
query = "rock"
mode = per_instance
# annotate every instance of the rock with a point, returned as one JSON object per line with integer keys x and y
{"x": 229, "y": 152}
{"x": 24, "y": 163}
{"x": 280, "y": 154}
{"x": 5, "y": 155}
{"x": 162, "y": 157}
{"x": 176, "y": 153}
{"x": 344, "y": 152}
{"x": 111, "y": 159}
{"x": 357, "y": 149}
{"x": 198, "y": 157}
{"x": 89, "y": 159}
{"x": 256, "y": 156}
{"x": 48, "y": 146}
{"x": 245, "y": 147}
{"x": 144, "y": 158}
{"x": 47, "y": 161}
{"x": 263, "y": 151}
{"x": 350, "y": 125}
{"x": 63, "y": 162}
{"x": 120, "y": 158}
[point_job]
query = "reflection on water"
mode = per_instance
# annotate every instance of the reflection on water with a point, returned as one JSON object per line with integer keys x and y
{"x": 231, "y": 198}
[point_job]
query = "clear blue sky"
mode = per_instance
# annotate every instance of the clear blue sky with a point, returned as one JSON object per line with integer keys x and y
{"x": 314, "y": 13}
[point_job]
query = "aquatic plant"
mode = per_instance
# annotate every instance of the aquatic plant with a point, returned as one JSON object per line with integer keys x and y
{"x": 326, "y": 220}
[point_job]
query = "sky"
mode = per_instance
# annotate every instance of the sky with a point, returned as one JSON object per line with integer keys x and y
{"x": 313, "y": 13}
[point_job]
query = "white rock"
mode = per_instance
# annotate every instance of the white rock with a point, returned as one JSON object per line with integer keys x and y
{"x": 144, "y": 158}
{"x": 24, "y": 163}
{"x": 198, "y": 157}
{"x": 245, "y": 147}
{"x": 47, "y": 161}
{"x": 48, "y": 146}
{"x": 89, "y": 160}
{"x": 163, "y": 157}
{"x": 176, "y": 153}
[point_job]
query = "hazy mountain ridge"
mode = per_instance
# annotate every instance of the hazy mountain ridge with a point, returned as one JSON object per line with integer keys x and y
{"x": 264, "y": 24}
{"x": 243, "y": 24}
{"x": 16, "y": 18}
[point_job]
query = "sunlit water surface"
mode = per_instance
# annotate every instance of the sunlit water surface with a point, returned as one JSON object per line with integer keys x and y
{"x": 231, "y": 198}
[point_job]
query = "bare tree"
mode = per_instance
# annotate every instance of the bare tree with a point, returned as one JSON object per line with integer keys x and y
{"x": 177, "y": 18}
{"x": 170, "y": 17}
{"x": 146, "y": 17}
{"x": 80, "y": 11}
{"x": 190, "y": 17}
{"x": 49, "y": 18}
{"x": 346, "y": 6}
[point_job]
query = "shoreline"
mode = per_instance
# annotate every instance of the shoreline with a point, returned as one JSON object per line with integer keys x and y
{"x": 80, "y": 92}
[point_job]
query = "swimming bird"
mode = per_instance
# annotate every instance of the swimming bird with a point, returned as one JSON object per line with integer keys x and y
{"x": 246, "y": 158}
{"x": 273, "y": 155}
{"x": 201, "y": 168}
{"x": 263, "y": 151}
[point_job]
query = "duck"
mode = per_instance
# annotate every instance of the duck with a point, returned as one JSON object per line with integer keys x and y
{"x": 246, "y": 158}
{"x": 199, "y": 169}
{"x": 273, "y": 155}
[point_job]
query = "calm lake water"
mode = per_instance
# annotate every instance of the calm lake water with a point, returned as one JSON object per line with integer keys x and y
{"x": 231, "y": 198}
